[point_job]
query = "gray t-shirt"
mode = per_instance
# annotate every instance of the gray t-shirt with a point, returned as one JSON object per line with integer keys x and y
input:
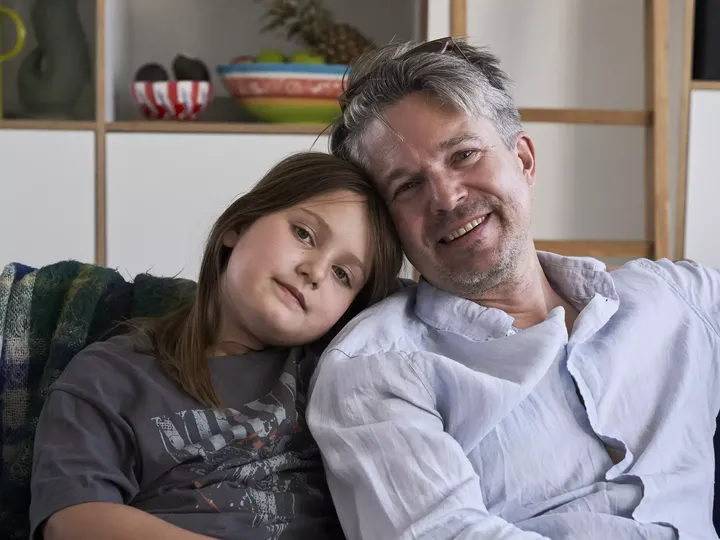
{"x": 116, "y": 429}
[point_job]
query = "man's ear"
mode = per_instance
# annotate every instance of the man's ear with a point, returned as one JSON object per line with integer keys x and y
{"x": 525, "y": 149}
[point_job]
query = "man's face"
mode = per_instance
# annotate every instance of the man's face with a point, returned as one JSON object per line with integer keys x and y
{"x": 460, "y": 199}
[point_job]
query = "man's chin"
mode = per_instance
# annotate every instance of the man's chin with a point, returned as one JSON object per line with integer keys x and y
{"x": 465, "y": 278}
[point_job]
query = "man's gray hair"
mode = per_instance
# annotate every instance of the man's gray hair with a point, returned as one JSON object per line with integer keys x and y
{"x": 468, "y": 78}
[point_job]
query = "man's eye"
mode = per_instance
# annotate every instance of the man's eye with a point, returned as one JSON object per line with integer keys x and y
{"x": 406, "y": 186}
{"x": 463, "y": 155}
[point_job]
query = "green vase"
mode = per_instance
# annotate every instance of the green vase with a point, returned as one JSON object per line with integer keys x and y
{"x": 55, "y": 79}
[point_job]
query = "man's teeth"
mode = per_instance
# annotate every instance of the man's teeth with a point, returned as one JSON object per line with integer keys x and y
{"x": 463, "y": 230}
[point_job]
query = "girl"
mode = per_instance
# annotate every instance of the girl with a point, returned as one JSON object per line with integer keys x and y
{"x": 192, "y": 426}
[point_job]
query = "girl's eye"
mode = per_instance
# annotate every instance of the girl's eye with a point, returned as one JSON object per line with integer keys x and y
{"x": 303, "y": 234}
{"x": 342, "y": 275}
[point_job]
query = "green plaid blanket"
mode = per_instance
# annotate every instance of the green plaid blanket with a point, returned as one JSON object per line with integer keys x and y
{"x": 47, "y": 315}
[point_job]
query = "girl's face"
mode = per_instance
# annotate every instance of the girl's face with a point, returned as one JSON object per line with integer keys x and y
{"x": 293, "y": 274}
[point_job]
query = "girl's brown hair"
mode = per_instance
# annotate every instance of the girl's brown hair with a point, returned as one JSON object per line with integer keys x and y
{"x": 181, "y": 339}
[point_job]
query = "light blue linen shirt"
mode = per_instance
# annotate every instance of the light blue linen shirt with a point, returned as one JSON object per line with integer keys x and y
{"x": 438, "y": 419}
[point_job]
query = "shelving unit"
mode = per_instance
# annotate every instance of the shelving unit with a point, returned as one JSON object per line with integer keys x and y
{"x": 117, "y": 56}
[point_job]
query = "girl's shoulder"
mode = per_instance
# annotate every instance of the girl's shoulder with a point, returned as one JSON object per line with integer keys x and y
{"x": 121, "y": 362}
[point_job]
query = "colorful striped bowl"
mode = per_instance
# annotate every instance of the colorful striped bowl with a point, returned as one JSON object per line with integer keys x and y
{"x": 292, "y": 110}
{"x": 180, "y": 100}
{"x": 283, "y": 80}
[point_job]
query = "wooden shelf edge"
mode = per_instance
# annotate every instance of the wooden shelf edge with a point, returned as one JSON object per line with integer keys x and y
{"x": 705, "y": 85}
{"x": 597, "y": 248}
{"x": 554, "y": 116}
{"x": 160, "y": 126}
{"x": 64, "y": 125}
{"x": 604, "y": 117}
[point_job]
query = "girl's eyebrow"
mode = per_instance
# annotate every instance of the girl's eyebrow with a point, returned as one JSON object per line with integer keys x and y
{"x": 321, "y": 222}
{"x": 352, "y": 258}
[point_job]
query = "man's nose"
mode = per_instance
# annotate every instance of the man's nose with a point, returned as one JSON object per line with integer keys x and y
{"x": 446, "y": 192}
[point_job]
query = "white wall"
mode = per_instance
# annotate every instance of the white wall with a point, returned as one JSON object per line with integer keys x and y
{"x": 584, "y": 54}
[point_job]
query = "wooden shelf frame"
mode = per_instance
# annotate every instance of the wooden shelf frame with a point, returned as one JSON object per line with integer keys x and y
{"x": 656, "y": 122}
{"x": 598, "y": 117}
{"x": 169, "y": 126}
{"x": 702, "y": 85}
{"x": 59, "y": 125}
{"x": 620, "y": 249}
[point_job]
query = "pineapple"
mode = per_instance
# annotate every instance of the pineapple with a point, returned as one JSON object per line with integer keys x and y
{"x": 337, "y": 43}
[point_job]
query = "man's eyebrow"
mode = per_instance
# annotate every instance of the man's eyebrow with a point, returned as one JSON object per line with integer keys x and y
{"x": 396, "y": 174}
{"x": 459, "y": 139}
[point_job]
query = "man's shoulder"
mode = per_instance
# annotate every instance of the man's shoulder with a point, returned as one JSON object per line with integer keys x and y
{"x": 681, "y": 274}
{"x": 379, "y": 327}
{"x": 696, "y": 284}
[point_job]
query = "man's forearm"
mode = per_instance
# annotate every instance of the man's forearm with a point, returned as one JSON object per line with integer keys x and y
{"x": 109, "y": 521}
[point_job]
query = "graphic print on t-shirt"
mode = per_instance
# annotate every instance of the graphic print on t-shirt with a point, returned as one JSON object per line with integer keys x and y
{"x": 246, "y": 460}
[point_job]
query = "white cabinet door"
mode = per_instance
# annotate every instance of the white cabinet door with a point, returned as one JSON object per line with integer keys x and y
{"x": 47, "y": 201}
{"x": 703, "y": 179}
{"x": 166, "y": 190}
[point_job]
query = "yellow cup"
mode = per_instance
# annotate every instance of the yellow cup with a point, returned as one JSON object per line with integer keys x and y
{"x": 19, "y": 43}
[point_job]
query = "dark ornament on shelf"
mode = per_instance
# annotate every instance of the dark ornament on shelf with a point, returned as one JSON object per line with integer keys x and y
{"x": 55, "y": 79}
{"x": 189, "y": 69}
{"x": 151, "y": 72}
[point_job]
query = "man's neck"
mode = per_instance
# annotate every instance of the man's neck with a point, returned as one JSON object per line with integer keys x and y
{"x": 528, "y": 297}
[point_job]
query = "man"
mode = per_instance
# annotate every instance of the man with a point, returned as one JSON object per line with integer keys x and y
{"x": 511, "y": 394}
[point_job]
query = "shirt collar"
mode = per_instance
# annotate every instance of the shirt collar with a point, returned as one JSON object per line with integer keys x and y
{"x": 578, "y": 279}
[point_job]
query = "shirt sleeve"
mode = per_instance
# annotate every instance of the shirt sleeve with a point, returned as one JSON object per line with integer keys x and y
{"x": 393, "y": 472}
{"x": 83, "y": 453}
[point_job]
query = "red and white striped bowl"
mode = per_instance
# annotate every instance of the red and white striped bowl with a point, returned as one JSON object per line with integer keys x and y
{"x": 181, "y": 100}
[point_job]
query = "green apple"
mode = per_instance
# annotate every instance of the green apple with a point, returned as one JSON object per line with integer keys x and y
{"x": 271, "y": 55}
{"x": 307, "y": 57}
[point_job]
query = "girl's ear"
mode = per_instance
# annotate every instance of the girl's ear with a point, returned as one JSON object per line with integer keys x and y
{"x": 230, "y": 238}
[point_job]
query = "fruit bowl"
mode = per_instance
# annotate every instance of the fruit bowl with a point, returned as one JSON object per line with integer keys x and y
{"x": 286, "y": 92}
{"x": 179, "y": 100}
{"x": 291, "y": 110}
